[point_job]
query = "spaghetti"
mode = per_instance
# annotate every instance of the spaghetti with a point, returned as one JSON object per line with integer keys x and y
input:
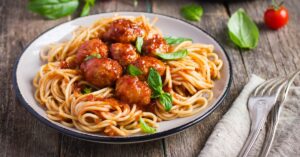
{"x": 58, "y": 86}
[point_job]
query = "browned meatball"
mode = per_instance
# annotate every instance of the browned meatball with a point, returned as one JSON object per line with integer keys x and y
{"x": 155, "y": 45}
{"x": 145, "y": 63}
{"x": 123, "y": 30}
{"x": 94, "y": 46}
{"x": 124, "y": 53}
{"x": 101, "y": 72}
{"x": 132, "y": 91}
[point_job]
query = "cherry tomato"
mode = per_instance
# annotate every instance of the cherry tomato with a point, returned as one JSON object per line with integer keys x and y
{"x": 276, "y": 17}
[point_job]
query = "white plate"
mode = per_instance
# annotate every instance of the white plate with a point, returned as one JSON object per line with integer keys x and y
{"x": 29, "y": 63}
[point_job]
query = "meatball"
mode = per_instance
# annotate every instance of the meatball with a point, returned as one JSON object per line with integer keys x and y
{"x": 155, "y": 45}
{"x": 145, "y": 63}
{"x": 101, "y": 72}
{"x": 124, "y": 53}
{"x": 132, "y": 91}
{"x": 94, "y": 46}
{"x": 123, "y": 30}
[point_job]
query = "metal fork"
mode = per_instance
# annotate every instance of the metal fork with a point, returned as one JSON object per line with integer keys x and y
{"x": 259, "y": 105}
{"x": 274, "y": 115}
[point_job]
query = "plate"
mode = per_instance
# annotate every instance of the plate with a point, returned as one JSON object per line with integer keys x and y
{"x": 29, "y": 63}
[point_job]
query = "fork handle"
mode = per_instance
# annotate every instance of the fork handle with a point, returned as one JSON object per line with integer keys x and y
{"x": 254, "y": 132}
{"x": 271, "y": 132}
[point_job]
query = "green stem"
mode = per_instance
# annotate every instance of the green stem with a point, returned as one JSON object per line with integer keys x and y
{"x": 275, "y": 5}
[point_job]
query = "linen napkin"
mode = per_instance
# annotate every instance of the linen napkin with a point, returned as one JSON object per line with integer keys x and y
{"x": 232, "y": 130}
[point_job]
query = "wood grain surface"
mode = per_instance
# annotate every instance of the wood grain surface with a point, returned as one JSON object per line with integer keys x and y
{"x": 23, "y": 135}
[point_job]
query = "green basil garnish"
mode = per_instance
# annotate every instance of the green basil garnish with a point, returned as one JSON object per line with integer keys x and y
{"x": 85, "y": 10}
{"x": 133, "y": 70}
{"x": 145, "y": 127}
{"x": 166, "y": 100}
{"x": 139, "y": 43}
{"x": 87, "y": 7}
{"x": 53, "y": 9}
{"x": 155, "y": 83}
{"x": 242, "y": 30}
{"x": 87, "y": 90}
{"x": 174, "y": 55}
{"x": 174, "y": 40}
{"x": 192, "y": 12}
{"x": 93, "y": 55}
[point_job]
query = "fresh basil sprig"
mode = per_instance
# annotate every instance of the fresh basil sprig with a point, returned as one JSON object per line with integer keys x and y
{"x": 93, "y": 55}
{"x": 87, "y": 90}
{"x": 87, "y": 7}
{"x": 192, "y": 12}
{"x": 155, "y": 83}
{"x": 173, "y": 55}
{"x": 242, "y": 30}
{"x": 139, "y": 43}
{"x": 166, "y": 99}
{"x": 174, "y": 40}
{"x": 145, "y": 127}
{"x": 133, "y": 70}
{"x": 53, "y": 9}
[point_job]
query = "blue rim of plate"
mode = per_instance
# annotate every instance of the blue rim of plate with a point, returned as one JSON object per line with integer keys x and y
{"x": 129, "y": 139}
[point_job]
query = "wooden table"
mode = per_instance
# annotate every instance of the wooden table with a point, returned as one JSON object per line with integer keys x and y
{"x": 23, "y": 135}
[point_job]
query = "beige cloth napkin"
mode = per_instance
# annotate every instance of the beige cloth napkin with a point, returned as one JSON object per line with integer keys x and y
{"x": 230, "y": 133}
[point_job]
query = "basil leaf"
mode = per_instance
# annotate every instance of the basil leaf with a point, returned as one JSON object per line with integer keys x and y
{"x": 87, "y": 90}
{"x": 156, "y": 94}
{"x": 173, "y": 40}
{"x": 85, "y": 10}
{"x": 53, "y": 9}
{"x": 145, "y": 127}
{"x": 91, "y": 2}
{"x": 87, "y": 7}
{"x": 192, "y": 12}
{"x": 133, "y": 70}
{"x": 166, "y": 100}
{"x": 154, "y": 81}
{"x": 93, "y": 55}
{"x": 139, "y": 43}
{"x": 174, "y": 55}
{"x": 242, "y": 30}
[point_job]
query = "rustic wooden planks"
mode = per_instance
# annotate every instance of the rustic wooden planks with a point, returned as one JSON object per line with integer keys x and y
{"x": 20, "y": 133}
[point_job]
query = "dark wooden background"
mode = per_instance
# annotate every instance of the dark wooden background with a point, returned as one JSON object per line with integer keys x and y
{"x": 23, "y": 135}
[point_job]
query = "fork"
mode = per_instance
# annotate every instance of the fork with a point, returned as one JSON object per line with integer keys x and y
{"x": 274, "y": 115}
{"x": 260, "y": 104}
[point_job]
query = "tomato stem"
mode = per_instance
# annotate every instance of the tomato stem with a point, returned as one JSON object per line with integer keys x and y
{"x": 276, "y": 5}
